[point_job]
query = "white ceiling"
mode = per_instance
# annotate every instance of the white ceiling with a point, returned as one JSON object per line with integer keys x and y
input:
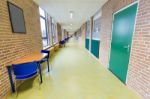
{"x": 60, "y": 11}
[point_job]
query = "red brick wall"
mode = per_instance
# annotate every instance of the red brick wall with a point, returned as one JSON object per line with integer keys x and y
{"x": 139, "y": 66}
{"x": 82, "y": 37}
{"x": 14, "y": 45}
{"x": 106, "y": 27}
{"x": 105, "y": 34}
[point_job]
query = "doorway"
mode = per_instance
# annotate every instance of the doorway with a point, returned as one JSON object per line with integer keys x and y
{"x": 123, "y": 28}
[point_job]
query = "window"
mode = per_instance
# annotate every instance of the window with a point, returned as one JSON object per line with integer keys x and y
{"x": 48, "y": 29}
{"x": 88, "y": 29}
{"x": 50, "y": 35}
{"x": 42, "y": 12}
{"x": 43, "y": 21}
{"x": 96, "y": 29}
{"x": 54, "y": 32}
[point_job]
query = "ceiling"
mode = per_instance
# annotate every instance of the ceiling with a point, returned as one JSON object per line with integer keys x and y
{"x": 60, "y": 11}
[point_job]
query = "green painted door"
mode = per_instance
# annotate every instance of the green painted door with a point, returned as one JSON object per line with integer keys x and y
{"x": 87, "y": 43}
{"x": 123, "y": 28}
{"x": 95, "y": 47}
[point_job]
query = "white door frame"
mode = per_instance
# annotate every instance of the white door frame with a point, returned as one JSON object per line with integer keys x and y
{"x": 136, "y": 2}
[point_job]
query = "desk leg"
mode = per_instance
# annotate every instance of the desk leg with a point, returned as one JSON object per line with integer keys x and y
{"x": 40, "y": 71}
{"x": 48, "y": 64}
{"x": 11, "y": 79}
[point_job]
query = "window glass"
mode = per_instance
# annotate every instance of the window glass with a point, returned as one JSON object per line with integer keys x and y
{"x": 50, "y": 30}
{"x": 43, "y": 27}
{"x": 88, "y": 29}
{"x": 96, "y": 29}
{"x": 54, "y": 33}
{"x": 44, "y": 30}
{"x": 42, "y": 12}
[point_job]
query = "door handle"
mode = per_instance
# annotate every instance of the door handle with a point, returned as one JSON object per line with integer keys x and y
{"x": 127, "y": 47}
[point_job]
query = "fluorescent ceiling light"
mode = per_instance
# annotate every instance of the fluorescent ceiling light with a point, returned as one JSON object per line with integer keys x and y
{"x": 71, "y": 14}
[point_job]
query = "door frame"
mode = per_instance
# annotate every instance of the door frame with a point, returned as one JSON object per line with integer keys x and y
{"x": 135, "y": 2}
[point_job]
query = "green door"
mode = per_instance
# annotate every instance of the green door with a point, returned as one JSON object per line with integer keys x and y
{"x": 95, "y": 47}
{"x": 87, "y": 43}
{"x": 123, "y": 28}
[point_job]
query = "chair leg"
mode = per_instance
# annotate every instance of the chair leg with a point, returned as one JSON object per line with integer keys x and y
{"x": 11, "y": 79}
{"x": 16, "y": 88}
{"x": 48, "y": 65}
{"x": 40, "y": 72}
{"x": 39, "y": 81}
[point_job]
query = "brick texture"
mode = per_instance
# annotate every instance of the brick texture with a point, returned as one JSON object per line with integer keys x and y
{"x": 139, "y": 65}
{"x": 108, "y": 9}
{"x": 82, "y": 35}
{"x": 15, "y": 45}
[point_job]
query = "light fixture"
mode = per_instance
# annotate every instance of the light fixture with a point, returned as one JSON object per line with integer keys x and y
{"x": 71, "y": 14}
{"x": 71, "y": 24}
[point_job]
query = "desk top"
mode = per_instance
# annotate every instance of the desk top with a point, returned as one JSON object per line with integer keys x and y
{"x": 30, "y": 58}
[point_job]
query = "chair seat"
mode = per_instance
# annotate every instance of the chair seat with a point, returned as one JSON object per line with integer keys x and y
{"x": 23, "y": 77}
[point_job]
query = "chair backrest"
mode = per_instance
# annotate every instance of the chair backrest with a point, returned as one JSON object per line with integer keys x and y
{"x": 62, "y": 42}
{"x": 25, "y": 68}
{"x": 46, "y": 51}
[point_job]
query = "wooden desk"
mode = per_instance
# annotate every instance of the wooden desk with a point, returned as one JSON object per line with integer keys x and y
{"x": 38, "y": 57}
{"x": 33, "y": 57}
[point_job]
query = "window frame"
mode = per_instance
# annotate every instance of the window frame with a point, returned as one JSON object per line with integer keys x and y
{"x": 46, "y": 27}
{"x": 54, "y": 32}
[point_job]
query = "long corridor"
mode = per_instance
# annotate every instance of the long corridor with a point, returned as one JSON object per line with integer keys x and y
{"x": 75, "y": 74}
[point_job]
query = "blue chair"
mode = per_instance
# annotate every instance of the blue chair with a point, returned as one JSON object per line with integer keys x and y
{"x": 65, "y": 39}
{"x": 46, "y": 59}
{"x": 62, "y": 43}
{"x": 47, "y": 52}
{"x": 25, "y": 71}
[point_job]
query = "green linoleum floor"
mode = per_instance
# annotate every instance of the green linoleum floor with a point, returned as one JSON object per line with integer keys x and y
{"x": 75, "y": 75}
